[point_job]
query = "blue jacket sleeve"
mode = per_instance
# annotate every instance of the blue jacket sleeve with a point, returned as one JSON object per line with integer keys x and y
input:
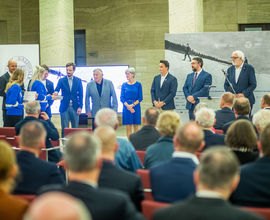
{"x": 50, "y": 91}
{"x": 251, "y": 82}
{"x": 59, "y": 86}
{"x": 140, "y": 94}
{"x": 87, "y": 97}
{"x": 80, "y": 94}
{"x": 122, "y": 97}
{"x": 185, "y": 88}
{"x": 114, "y": 98}
{"x": 37, "y": 87}
{"x": 152, "y": 91}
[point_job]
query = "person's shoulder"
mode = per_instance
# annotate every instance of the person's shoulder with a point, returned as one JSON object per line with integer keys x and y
{"x": 243, "y": 214}
{"x": 49, "y": 81}
{"x": 206, "y": 73}
{"x": 77, "y": 78}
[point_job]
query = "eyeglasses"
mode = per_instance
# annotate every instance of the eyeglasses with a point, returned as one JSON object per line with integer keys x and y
{"x": 234, "y": 58}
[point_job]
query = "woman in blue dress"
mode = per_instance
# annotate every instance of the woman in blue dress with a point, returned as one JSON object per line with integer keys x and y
{"x": 131, "y": 96}
{"x": 38, "y": 84}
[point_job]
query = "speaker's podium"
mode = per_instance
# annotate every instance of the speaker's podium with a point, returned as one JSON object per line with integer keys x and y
{"x": 211, "y": 102}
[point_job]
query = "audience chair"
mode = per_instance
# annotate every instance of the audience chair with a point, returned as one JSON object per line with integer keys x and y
{"x": 10, "y": 133}
{"x": 72, "y": 130}
{"x": 55, "y": 143}
{"x": 149, "y": 207}
{"x": 141, "y": 155}
{"x": 219, "y": 131}
{"x": 28, "y": 198}
{"x": 145, "y": 177}
{"x": 264, "y": 212}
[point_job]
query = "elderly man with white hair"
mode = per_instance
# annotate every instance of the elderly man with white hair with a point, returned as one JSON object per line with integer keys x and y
{"x": 260, "y": 119}
{"x": 205, "y": 118}
{"x": 242, "y": 78}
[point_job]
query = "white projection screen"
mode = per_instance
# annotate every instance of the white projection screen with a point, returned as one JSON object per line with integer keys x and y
{"x": 114, "y": 73}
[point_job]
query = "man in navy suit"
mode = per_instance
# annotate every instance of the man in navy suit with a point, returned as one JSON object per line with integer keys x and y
{"x": 253, "y": 189}
{"x": 173, "y": 180}
{"x": 197, "y": 85}
{"x": 72, "y": 102}
{"x": 35, "y": 172}
{"x": 242, "y": 77}
{"x": 164, "y": 88}
{"x": 225, "y": 114}
{"x": 205, "y": 118}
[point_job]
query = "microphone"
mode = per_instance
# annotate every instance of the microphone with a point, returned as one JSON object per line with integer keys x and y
{"x": 209, "y": 86}
{"x": 225, "y": 73}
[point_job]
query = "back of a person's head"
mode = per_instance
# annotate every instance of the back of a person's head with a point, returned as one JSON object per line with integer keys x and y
{"x": 151, "y": 116}
{"x": 218, "y": 167}
{"x": 241, "y": 106}
{"x": 106, "y": 117}
{"x": 32, "y": 108}
{"x": 200, "y": 106}
{"x": 81, "y": 151}
{"x": 32, "y": 134}
{"x": 266, "y": 100}
{"x": 205, "y": 117}
{"x": 241, "y": 136}
{"x": 261, "y": 118}
{"x": 228, "y": 98}
{"x": 107, "y": 137}
{"x": 168, "y": 122}
{"x": 189, "y": 137}
{"x": 7, "y": 161}
{"x": 57, "y": 206}
{"x": 265, "y": 140}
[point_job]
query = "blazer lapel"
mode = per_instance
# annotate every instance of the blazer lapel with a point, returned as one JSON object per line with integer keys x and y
{"x": 102, "y": 91}
{"x": 167, "y": 77}
{"x": 198, "y": 77}
{"x": 66, "y": 83}
{"x": 158, "y": 81}
{"x": 233, "y": 76}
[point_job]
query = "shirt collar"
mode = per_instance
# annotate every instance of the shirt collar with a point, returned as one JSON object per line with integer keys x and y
{"x": 164, "y": 76}
{"x": 9, "y": 73}
{"x": 95, "y": 185}
{"x": 208, "y": 194}
{"x": 182, "y": 154}
{"x": 70, "y": 77}
{"x": 240, "y": 66}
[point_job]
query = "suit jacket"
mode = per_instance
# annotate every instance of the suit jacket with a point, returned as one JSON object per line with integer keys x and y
{"x": 223, "y": 116}
{"x": 103, "y": 204}
{"x": 228, "y": 124}
{"x": 11, "y": 207}
{"x": 246, "y": 83}
{"x": 115, "y": 178}
{"x": 143, "y": 138}
{"x": 211, "y": 139}
{"x": 204, "y": 208}
{"x": 253, "y": 189}
{"x": 3, "y": 83}
{"x": 200, "y": 87}
{"x": 50, "y": 90}
{"x": 75, "y": 94}
{"x": 106, "y": 100}
{"x": 173, "y": 180}
{"x": 35, "y": 173}
{"x": 166, "y": 93}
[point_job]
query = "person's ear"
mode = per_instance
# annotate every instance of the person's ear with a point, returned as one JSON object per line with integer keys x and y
{"x": 259, "y": 145}
{"x": 116, "y": 147}
{"x": 196, "y": 177}
{"x": 235, "y": 182}
{"x": 13, "y": 171}
{"x": 201, "y": 145}
{"x": 99, "y": 163}
{"x": 175, "y": 142}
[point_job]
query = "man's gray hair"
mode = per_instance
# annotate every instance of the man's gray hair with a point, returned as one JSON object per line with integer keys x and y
{"x": 261, "y": 118}
{"x": 98, "y": 70}
{"x": 81, "y": 151}
{"x": 106, "y": 117}
{"x": 32, "y": 108}
{"x": 200, "y": 106}
{"x": 130, "y": 70}
{"x": 239, "y": 54}
{"x": 218, "y": 167}
{"x": 205, "y": 117}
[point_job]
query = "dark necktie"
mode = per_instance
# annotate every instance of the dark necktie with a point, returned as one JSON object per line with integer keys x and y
{"x": 194, "y": 79}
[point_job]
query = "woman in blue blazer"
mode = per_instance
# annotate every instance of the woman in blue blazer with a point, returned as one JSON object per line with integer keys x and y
{"x": 14, "y": 98}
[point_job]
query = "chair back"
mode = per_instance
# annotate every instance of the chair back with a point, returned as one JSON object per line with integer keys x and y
{"x": 72, "y": 130}
{"x": 145, "y": 177}
{"x": 141, "y": 155}
{"x": 219, "y": 131}
{"x": 28, "y": 198}
{"x": 149, "y": 207}
{"x": 10, "y": 133}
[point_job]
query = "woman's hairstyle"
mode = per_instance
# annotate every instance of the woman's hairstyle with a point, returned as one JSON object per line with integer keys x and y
{"x": 16, "y": 78}
{"x": 37, "y": 75}
{"x": 168, "y": 122}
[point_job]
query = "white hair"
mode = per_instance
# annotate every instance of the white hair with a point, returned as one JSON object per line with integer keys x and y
{"x": 205, "y": 117}
{"x": 261, "y": 118}
{"x": 200, "y": 106}
{"x": 106, "y": 117}
{"x": 240, "y": 54}
{"x": 130, "y": 70}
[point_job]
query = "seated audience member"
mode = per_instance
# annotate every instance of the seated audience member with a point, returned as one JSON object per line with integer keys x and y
{"x": 32, "y": 110}
{"x": 241, "y": 108}
{"x": 205, "y": 118}
{"x": 148, "y": 134}
{"x": 82, "y": 153}
{"x": 112, "y": 176}
{"x": 11, "y": 207}
{"x": 260, "y": 119}
{"x": 265, "y": 103}
{"x": 225, "y": 114}
{"x": 35, "y": 172}
{"x": 162, "y": 150}
{"x": 242, "y": 139}
{"x": 198, "y": 107}
{"x": 125, "y": 157}
{"x": 57, "y": 206}
{"x": 173, "y": 180}
{"x": 253, "y": 189}
{"x": 215, "y": 178}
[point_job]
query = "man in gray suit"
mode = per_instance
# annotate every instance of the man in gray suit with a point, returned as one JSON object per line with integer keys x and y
{"x": 102, "y": 94}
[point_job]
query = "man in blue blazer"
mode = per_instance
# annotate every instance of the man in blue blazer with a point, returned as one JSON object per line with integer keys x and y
{"x": 102, "y": 94}
{"x": 164, "y": 88}
{"x": 72, "y": 102}
{"x": 242, "y": 77}
{"x": 196, "y": 85}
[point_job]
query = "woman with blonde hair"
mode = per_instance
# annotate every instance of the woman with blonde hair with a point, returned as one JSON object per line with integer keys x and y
{"x": 38, "y": 84}
{"x": 14, "y": 98}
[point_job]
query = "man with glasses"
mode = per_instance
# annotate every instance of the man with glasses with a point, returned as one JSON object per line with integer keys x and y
{"x": 242, "y": 78}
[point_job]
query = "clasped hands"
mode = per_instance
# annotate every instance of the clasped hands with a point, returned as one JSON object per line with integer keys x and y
{"x": 158, "y": 104}
{"x": 191, "y": 99}
{"x": 130, "y": 107}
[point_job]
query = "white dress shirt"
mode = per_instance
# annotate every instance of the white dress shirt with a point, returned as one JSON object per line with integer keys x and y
{"x": 162, "y": 80}
{"x": 182, "y": 154}
{"x": 237, "y": 72}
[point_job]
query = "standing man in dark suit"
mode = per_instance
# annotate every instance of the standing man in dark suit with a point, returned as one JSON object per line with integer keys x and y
{"x": 225, "y": 114}
{"x": 72, "y": 102}
{"x": 148, "y": 134}
{"x": 164, "y": 88}
{"x": 216, "y": 178}
{"x": 4, "y": 79}
{"x": 113, "y": 177}
{"x": 173, "y": 180}
{"x": 196, "y": 85}
{"x": 82, "y": 153}
{"x": 242, "y": 77}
